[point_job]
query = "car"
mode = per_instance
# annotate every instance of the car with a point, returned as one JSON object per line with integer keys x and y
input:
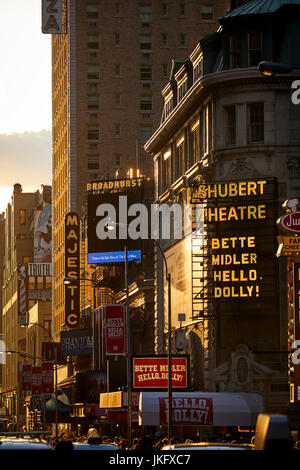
{"x": 18, "y": 443}
{"x": 87, "y": 446}
{"x": 211, "y": 446}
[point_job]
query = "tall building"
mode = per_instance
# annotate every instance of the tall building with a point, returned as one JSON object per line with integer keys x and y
{"x": 108, "y": 71}
{"x": 27, "y": 242}
{"x": 231, "y": 130}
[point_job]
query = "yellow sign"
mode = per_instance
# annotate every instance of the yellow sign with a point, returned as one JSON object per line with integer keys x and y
{"x": 288, "y": 246}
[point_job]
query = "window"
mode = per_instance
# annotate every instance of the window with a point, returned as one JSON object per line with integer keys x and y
{"x": 146, "y": 103}
{"x": 164, "y": 40}
{"x": 182, "y": 89}
{"x": 166, "y": 170}
{"x": 179, "y": 159}
{"x": 117, "y": 9}
{"x": 197, "y": 70}
{"x": 255, "y": 114}
{"x": 26, "y": 259}
{"x": 93, "y": 72}
{"x": 93, "y": 102}
{"x": 117, "y": 130}
{"x": 22, "y": 217}
{"x": 117, "y": 70}
{"x": 145, "y": 72}
{"x": 145, "y": 43}
{"x": 145, "y": 13}
{"x": 165, "y": 70}
{"x": 93, "y": 42}
{"x": 234, "y": 51}
{"x": 31, "y": 282}
{"x": 145, "y": 133}
{"x": 230, "y": 120}
{"x": 118, "y": 98}
{"x": 40, "y": 282}
{"x": 47, "y": 326}
{"x": 182, "y": 40}
{"x": 181, "y": 9}
{"x": 164, "y": 9}
{"x": 195, "y": 142}
{"x": 118, "y": 160}
{"x": 168, "y": 106}
{"x": 117, "y": 39}
{"x": 207, "y": 13}
{"x": 48, "y": 282}
{"x": 254, "y": 48}
{"x": 93, "y": 11}
{"x": 93, "y": 132}
{"x": 93, "y": 162}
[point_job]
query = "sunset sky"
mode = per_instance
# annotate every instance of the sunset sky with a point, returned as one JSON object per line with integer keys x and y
{"x": 25, "y": 98}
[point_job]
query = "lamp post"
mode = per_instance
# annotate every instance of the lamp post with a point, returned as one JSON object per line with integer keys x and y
{"x": 55, "y": 365}
{"x": 111, "y": 226}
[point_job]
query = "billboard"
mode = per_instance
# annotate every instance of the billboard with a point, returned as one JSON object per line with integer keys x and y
{"x": 72, "y": 269}
{"x": 89, "y": 385}
{"x": 36, "y": 380}
{"x": 152, "y": 372}
{"x": 26, "y": 377}
{"x": 109, "y": 201}
{"x": 76, "y": 342}
{"x": 114, "y": 329}
{"x": 42, "y": 242}
{"x": 47, "y": 377}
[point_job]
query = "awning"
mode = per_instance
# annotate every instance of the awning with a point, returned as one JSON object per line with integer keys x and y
{"x": 200, "y": 408}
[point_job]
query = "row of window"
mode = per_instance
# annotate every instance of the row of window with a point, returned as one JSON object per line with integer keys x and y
{"x": 93, "y": 132}
{"x": 145, "y": 11}
{"x": 145, "y": 41}
{"x": 145, "y": 72}
{"x": 195, "y": 141}
{"x": 145, "y": 102}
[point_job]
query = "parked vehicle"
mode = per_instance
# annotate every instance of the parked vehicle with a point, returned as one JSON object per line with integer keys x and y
{"x": 272, "y": 433}
{"x": 211, "y": 446}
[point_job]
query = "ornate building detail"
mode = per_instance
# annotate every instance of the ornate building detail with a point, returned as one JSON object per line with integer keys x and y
{"x": 241, "y": 169}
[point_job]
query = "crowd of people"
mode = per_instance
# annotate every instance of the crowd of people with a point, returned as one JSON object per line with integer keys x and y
{"x": 145, "y": 442}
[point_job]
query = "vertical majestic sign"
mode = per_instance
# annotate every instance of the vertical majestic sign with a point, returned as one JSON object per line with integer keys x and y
{"x": 72, "y": 269}
{"x": 52, "y": 16}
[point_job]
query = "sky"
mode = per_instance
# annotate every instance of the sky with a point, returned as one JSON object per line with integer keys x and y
{"x": 25, "y": 98}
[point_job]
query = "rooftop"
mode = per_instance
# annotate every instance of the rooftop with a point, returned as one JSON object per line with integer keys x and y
{"x": 259, "y": 7}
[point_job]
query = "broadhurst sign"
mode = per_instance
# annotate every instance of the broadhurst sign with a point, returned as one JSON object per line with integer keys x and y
{"x": 107, "y": 246}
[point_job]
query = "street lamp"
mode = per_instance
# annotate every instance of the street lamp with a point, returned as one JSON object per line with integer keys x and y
{"x": 55, "y": 364}
{"x": 111, "y": 226}
{"x": 272, "y": 68}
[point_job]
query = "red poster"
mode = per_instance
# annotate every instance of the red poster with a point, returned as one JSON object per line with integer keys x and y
{"x": 152, "y": 372}
{"x": 47, "y": 377}
{"x": 26, "y": 377}
{"x": 115, "y": 330}
{"x": 187, "y": 411}
{"x": 36, "y": 380}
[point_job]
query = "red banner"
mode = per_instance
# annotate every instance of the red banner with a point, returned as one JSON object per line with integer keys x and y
{"x": 36, "y": 380}
{"x": 26, "y": 377}
{"x": 115, "y": 330}
{"x": 152, "y": 372}
{"x": 47, "y": 377}
{"x": 187, "y": 411}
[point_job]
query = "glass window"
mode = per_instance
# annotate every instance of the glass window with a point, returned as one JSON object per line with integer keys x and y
{"x": 145, "y": 133}
{"x": 197, "y": 70}
{"x": 234, "y": 51}
{"x": 93, "y": 72}
{"x": 180, "y": 159}
{"x": 195, "y": 142}
{"x": 207, "y": 13}
{"x": 93, "y": 132}
{"x": 146, "y": 103}
{"x": 117, "y": 70}
{"x": 255, "y": 112}
{"x": 145, "y": 43}
{"x": 181, "y": 9}
{"x": 117, "y": 9}
{"x": 48, "y": 282}
{"x": 164, "y": 8}
{"x": 40, "y": 282}
{"x": 118, "y": 160}
{"x": 93, "y": 102}
{"x": 182, "y": 89}
{"x": 26, "y": 259}
{"x": 165, "y": 70}
{"x": 93, "y": 42}
{"x": 230, "y": 120}
{"x": 118, "y": 98}
{"x": 117, "y": 130}
{"x": 117, "y": 39}
{"x": 145, "y": 72}
{"x": 22, "y": 216}
{"x": 182, "y": 40}
{"x": 93, "y": 162}
{"x": 145, "y": 13}
{"x": 164, "y": 40}
{"x": 31, "y": 282}
{"x": 255, "y": 48}
{"x": 93, "y": 11}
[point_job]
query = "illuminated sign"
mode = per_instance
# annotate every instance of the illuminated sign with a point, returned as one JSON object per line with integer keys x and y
{"x": 241, "y": 234}
{"x": 288, "y": 246}
{"x": 290, "y": 222}
{"x": 115, "y": 329}
{"x": 76, "y": 342}
{"x": 152, "y": 372}
{"x": 109, "y": 247}
{"x": 72, "y": 269}
{"x": 52, "y": 16}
